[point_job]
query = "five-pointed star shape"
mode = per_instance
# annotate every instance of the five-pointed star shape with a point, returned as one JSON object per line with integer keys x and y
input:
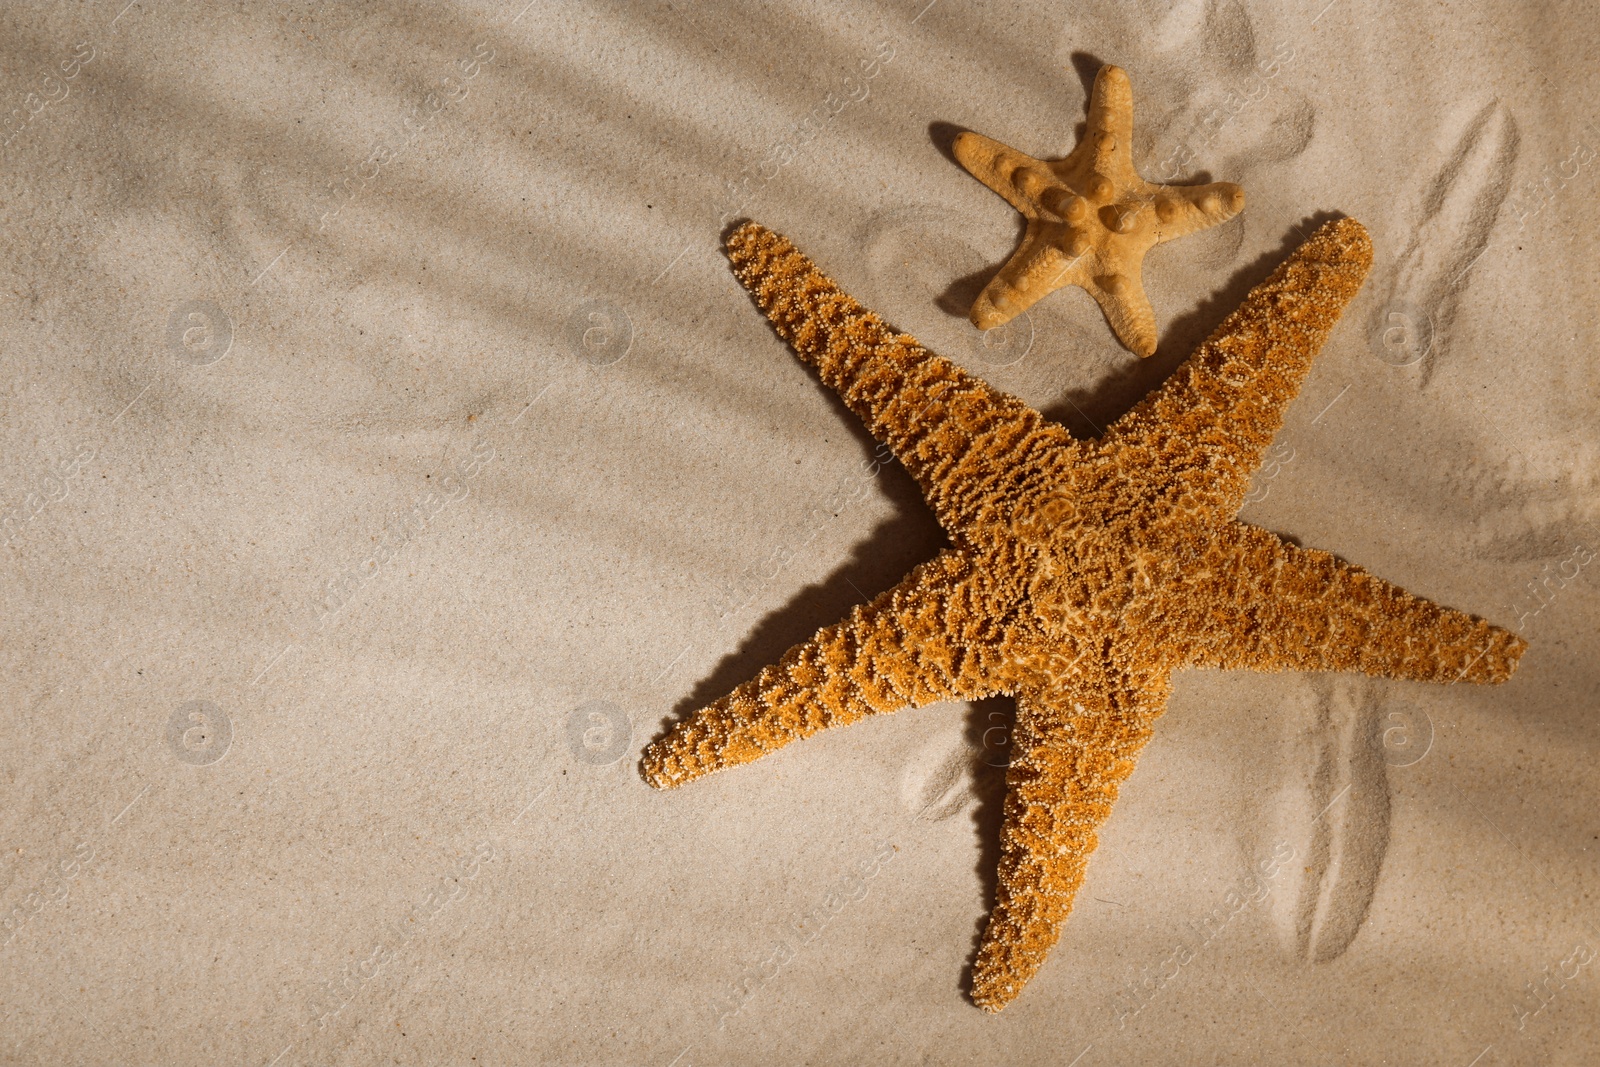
{"x": 1082, "y": 573}
{"x": 1091, "y": 218}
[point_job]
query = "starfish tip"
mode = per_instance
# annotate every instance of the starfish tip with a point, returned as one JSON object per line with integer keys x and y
{"x": 1502, "y": 664}
{"x": 744, "y": 236}
{"x": 986, "y": 316}
{"x": 749, "y": 243}
{"x": 991, "y": 994}
{"x": 1352, "y": 238}
{"x": 653, "y": 769}
{"x": 1111, "y": 74}
{"x": 974, "y": 152}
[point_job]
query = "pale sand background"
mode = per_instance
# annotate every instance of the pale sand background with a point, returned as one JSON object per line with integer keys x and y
{"x": 179, "y": 515}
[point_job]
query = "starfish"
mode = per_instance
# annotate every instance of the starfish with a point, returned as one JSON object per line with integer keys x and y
{"x": 1091, "y": 218}
{"x": 1081, "y": 572}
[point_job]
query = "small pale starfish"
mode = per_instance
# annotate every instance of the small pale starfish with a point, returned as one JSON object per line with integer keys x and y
{"x": 1082, "y": 572}
{"x": 1091, "y": 218}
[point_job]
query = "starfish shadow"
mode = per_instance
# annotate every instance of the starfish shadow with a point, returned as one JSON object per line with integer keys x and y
{"x": 1107, "y": 400}
{"x": 958, "y": 296}
{"x": 893, "y": 548}
{"x": 1186, "y": 331}
{"x": 1088, "y": 65}
{"x": 899, "y": 543}
{"x": 988, "y": 811}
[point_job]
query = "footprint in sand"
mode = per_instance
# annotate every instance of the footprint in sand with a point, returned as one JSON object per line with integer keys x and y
{"x": 937, "y": 783}
{"x": 1419, "y": 292}
{"x": 1534, "y": 500}
{"x": 1332, "y": 805}
{"x": 1214, "y": 100}
{"x": 961, "y": 765}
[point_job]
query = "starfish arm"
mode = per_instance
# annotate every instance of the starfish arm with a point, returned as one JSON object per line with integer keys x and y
{"x": 1015, "y": 175}
{"x": 1111, "y": 114}
{"x": 1127, "y": 309}
{"x": 1185, "y": 209}
{"x": 1037, "y": 269}
{"x": 918, "y": 643}
{"x": 952, "y": 431}
{"x": 1073, "y": 746}
{"x": 1274, "y": 606}
{"x": 1204, "y": 431}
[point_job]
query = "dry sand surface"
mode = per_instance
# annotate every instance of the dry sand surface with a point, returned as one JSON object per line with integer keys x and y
{"x": 389, "y": 455}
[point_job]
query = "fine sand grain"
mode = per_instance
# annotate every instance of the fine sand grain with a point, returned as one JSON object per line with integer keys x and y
{"x": 389, "y": 454}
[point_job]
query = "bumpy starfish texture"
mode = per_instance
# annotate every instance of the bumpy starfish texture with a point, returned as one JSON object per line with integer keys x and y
{"x": 1091, "y": 218}
{"x": 1082, "y": 573}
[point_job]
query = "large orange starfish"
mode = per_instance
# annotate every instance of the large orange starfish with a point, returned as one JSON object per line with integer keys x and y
{"x": 1091, "y": 218}
{"x": 1082, "y": 572}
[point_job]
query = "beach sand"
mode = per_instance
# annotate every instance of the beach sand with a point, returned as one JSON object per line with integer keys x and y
{"x": 390, "y": 455}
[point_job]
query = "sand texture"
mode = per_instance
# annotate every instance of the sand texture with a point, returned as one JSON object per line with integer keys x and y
{"x": 390, "y": 455}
